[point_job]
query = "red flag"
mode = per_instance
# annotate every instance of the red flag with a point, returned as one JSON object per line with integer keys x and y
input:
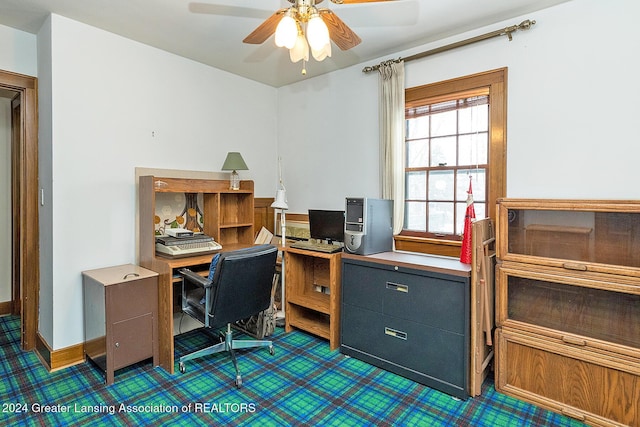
{"x": 466, "y": 248}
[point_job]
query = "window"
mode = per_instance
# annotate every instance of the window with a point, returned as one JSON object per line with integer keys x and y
{"x": 454, "y": 130}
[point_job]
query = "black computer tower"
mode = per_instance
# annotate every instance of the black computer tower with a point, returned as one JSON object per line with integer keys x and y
{"x": 368, "y": 227}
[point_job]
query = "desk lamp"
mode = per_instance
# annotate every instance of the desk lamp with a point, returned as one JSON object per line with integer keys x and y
{"x": 234, "y": 162}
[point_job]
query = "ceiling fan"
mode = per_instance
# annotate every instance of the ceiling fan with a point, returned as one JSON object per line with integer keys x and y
{"x": 303, "y": 26}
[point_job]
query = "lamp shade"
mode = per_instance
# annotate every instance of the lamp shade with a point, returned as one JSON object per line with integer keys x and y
{"x": 234, "y": 162}
{"x": 281, "y": 200}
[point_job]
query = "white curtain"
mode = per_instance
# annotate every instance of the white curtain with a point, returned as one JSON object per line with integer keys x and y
{"x": 392, "y": 124}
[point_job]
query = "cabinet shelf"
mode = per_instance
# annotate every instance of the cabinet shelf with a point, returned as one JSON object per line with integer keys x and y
{"x": 310, "y": 320}
{"x": 236, "y": 225}
{"x": 319, "y": 303}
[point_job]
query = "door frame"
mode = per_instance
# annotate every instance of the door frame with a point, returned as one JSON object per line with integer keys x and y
{"x": 25, "y": 187}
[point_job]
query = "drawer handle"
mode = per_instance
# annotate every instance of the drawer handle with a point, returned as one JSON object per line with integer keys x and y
{"x": 574, "y": 266}
{"x": 573, "y": 414}
{"x": 130, "y": 274}
{"x": 395, "y": 333}
{"x": 397, "y": 287}
{"x": 574, "y": 341}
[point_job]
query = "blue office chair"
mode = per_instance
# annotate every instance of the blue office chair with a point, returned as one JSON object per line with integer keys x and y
{"x": 239, "y": 285}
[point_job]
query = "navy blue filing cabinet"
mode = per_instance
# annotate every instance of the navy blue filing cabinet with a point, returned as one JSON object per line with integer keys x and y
{"x": 409, "y": 314}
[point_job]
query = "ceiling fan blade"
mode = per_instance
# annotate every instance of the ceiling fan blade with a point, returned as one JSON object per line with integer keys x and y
{"x": 340, "y": 33}
{"x": 238, "y": 11}
{"x": 358, "y": 1}
{"x": 266, "y": 29}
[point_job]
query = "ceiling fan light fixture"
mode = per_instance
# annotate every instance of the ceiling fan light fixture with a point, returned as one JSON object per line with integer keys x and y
{"x": 287, "y": 32}
{"x": 300, "y": 50}
{"x": 317, "y": 32}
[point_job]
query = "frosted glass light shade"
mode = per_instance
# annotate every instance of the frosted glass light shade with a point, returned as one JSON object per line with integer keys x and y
{"x": 286, "y": 32}
{"x": 317, "y": 32}
{"x": 321, "y": 54}
{"x": 300, "y": 49}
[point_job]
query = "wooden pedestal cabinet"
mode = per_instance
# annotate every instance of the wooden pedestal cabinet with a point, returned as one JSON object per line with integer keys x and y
{"x": 121, "y": 317}
{"x": 312, "y": 293}
{"x": 568, "y": 307}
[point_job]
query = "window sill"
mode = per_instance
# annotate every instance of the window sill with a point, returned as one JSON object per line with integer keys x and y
{"x": 427, "y": 246}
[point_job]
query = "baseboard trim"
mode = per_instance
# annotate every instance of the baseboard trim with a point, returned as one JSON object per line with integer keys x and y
{"x": 55, "y": 360}
{"x": 6, "y": 307}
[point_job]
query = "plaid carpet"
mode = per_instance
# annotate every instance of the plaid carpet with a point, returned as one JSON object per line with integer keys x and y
{"x": 302, "y": 384}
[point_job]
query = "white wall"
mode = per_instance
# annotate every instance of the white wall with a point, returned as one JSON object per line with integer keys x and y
{"x": 5, "y": 199}
{"x": 572, "y": 109}
{"x": 117, "y": 105}
{"x": 18, "y": 52}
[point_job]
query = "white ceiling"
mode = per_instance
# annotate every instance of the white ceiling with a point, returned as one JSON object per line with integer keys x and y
{"x": 211, "y": 31}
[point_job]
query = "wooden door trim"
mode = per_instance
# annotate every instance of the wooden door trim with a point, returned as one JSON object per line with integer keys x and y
{"x": 27, "y": 158}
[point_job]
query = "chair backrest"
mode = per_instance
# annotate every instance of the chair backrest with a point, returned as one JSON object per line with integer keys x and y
{"x": 242, "y": 284}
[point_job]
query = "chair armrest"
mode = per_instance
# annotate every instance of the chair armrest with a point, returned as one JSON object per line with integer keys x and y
{"x": 195, "y": 278}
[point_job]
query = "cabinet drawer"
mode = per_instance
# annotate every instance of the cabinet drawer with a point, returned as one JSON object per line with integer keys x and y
{"x": 429, "y": 299}
{"x": 430, "y": 351}
{"x": 598, "y": 389}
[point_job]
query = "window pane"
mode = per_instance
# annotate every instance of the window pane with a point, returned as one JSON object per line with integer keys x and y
{"x": 416, "y": 186}
{"x": 473, "y": 149}
{"x": 474, "y": 119}
{"x": 418, "y": 153}
{"x": 441, "y": 186}
{"x": 441, "y": 217}
{"x": 415, "y": 216}
{"x": 478, "y": 185}
{"x": 444, "y": 123}
{"x": 443, "y": 151}
{"x": 461, "y": 211}
{"x": 418, "y": 128}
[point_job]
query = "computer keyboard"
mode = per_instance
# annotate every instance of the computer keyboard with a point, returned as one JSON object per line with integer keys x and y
{"x": 318, "y": 247}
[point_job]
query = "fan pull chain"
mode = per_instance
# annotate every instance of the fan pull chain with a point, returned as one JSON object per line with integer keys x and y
{"x": 304, "y": 67}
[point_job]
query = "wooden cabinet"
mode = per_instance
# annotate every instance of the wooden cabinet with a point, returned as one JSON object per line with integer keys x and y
{"x": 568, "y": 307}
{"x": 226, "y": 215}
{"x": 409, "y": 314}
{"x": 601, "y": 236}
{"x": 312, "y": 293}
{"x": 121, "y": 317}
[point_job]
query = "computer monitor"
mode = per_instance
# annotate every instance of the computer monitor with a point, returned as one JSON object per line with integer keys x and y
{"x": 326, "y": 225}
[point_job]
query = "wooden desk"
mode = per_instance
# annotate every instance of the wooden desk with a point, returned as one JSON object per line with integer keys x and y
{"x": 227, "y": 216}
{"x": 166, "y": 269}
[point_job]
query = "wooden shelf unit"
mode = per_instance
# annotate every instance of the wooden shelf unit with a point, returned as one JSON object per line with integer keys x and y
{"x": 568, "y": 307}
{"x": 308, "y": 307}
{"x": 228, "y": 218}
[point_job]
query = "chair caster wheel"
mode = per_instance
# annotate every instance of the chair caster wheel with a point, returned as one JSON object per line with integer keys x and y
{"x": 238, "y": 381}
{"x": 272, "y": 351}
{"x": 182, "y": 368}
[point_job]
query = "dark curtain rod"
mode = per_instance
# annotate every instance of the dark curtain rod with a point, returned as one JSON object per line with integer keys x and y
{"x": 524, "y": 25}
